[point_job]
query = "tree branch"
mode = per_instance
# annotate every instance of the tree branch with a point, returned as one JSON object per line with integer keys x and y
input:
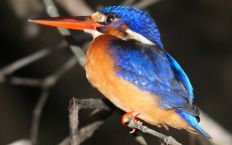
{"x": 46, "y": 84}
{"x": 71, "y": 7}
{"x": 167, "y": 139}
{"x": 74, "y": 122}
{"x": 93, "y": 123}
{"x": 32, "y": 82}
{"x": 145, "y": 3}
{"x": 140, "y": 139}
{"x": 127, "y": 2}
{"x": 96, "y": 119}
{"x": 220, "y": 135}
{"x": 25, "y": 61}
{"x": 36, "y": 115}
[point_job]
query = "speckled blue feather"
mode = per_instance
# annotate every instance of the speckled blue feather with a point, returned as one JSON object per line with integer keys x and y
{"x": 137, "y": 20}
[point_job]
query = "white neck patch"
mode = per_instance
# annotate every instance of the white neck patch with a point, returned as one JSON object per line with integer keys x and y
{"x": 130, "y": 35}
{"x": 138, "y": 37}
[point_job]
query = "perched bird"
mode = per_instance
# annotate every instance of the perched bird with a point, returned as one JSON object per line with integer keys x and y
{"x": 127, "y": 63}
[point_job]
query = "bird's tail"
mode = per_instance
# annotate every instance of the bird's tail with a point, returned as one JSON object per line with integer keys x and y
{"x": 193, "y": 122}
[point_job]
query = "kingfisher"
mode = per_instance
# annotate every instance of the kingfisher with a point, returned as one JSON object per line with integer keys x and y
{"x": 126, "y": 61}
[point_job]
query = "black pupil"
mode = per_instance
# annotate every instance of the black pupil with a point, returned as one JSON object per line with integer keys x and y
{"x": 109, "y": 19}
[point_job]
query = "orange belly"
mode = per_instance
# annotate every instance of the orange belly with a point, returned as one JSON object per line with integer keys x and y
{"x": 125, "y": 95}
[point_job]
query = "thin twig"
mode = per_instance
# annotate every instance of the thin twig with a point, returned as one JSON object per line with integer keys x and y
{"x": 127, "y": 2}
{"x": 21, "y": 142}
{"x": 23, "y": 8}
{"x": 140, "y": 139}
{"x": 145, "y": 3}
{"x": 23, "y": 62}
{"x": 36, "y": 115}
{"x": 71, "y": 7}
{"x": 74, "y": 122}
{"x": 93, "y": 104}
{"x": 32, "y": 82}
{"x": 69, "y": 64}
{"x": 167, "y": 139}
{"x": 87, "y": 130}
{"x": 93, "y": 123}
{"x": 48, "y": 82}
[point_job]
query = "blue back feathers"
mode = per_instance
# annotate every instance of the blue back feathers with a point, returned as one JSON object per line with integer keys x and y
{"x": 149, "y": 68}
{"x": 137, "y": 20}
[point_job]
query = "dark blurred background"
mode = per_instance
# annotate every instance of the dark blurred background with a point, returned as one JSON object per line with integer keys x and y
{"x": 198, "y": 33}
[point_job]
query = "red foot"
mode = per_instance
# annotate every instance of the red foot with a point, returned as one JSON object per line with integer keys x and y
{"x": 132, "y": 115}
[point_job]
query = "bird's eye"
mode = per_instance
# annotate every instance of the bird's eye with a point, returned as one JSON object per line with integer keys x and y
{"x": 109, "y": 18}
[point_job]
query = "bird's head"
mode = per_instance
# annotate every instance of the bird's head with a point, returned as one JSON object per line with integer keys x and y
{"x": 123, "y": 22}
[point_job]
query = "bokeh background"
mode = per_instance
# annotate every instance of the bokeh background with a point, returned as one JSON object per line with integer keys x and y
{"x": 198, "y": 33}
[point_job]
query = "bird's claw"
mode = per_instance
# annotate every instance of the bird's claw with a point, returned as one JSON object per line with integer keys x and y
{"x": 133, "y": 116}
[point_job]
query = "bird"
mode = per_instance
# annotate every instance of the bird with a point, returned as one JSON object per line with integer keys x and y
{"x": 127, "y": 62}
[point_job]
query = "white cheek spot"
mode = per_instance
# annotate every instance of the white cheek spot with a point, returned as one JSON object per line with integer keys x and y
{"x": 138, "y": 37}
{"x": 99, "y": 17}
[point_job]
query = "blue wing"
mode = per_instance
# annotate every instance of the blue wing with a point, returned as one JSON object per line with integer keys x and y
{"x": 152, "y": 69}
{"x": 181, "y": 75}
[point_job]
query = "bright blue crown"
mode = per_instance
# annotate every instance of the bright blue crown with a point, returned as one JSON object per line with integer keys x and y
{"x": 137, "y": 20}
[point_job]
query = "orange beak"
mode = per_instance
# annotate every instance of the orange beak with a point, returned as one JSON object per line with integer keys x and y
{"x": 77, "y": 23}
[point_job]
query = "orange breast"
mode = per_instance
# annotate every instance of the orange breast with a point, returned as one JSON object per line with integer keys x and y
{"x": 125, "y": 95}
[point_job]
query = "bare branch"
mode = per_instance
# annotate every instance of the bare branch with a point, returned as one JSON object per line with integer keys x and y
{"x": 71, "y": 7}
{"x": 127, "y": 2}
{"x": 95, "y": 120}
{"x": 220, "y": 135}
{"x": 74, "y": 122}
{"x": 80, "y": 55}
{"x": 23, "y": 8}
{"x": 25, "y": 81}
{"x": 11, "y": 68}
{"x": 93, "y": 123}
{"x": 93, "y": 104}
{"x": 48, "y": 80}
{"x": 167, "y": 139}
{"x": 69, "y": 64}
{"x": 21, "y": 142}
{"x": 140, "y": 139}
{"x": 25, "y": 61}
{"x": 36, "y": 115}
{"x": 47, "y": 83}
{"x": 145, "y": 3}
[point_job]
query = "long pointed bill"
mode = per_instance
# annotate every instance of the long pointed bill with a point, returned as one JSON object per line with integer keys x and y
{"x": 78, "y": 23}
